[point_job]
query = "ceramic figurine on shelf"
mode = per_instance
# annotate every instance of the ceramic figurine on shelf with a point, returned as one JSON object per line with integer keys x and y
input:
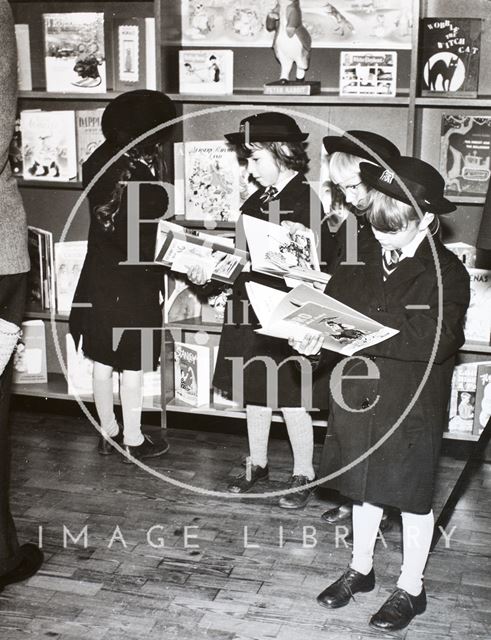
{"x": 292, "y": 42}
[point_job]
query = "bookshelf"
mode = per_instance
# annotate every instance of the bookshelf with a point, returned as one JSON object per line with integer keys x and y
{"x": 410, "y": 120}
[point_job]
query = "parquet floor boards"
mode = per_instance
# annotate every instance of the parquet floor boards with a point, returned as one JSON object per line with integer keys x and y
{"x": 121, "y": 587}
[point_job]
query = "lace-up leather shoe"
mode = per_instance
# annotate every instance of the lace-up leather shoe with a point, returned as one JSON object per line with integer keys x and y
{"x": 105, "y": 447}
{"x": 338, "y": 514}
{"x": 339, "y": 593}
{"x": 31, "y": 560}
{"x": 398, "y": 610}
{"x": 149, "y": 448}
{"x": 297, "y": 499}
{"x": 242, "y": 484}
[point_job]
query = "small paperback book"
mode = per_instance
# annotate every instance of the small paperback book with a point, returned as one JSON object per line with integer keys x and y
{"x": 450, "y": 53}
{"x": 180, "y": 249}
{"x": 482, "y": 412}
{"x": 74, "y": 52}
{"x": 206, "y": 71}
{"x": 24, "y": 75}
{"x": 49, "y": 145}
{"x": 192, "y": 374}
{"x": 69, "y": 259}
{"x": 89, "y": 134}
{"x": 41, "y": 284}
{"x": 275, "y": 251}
{"x": 478, "y": 319}
{"x": 285, "y": 315}
{"x": 134, "y": 53}
{"x": 465, "y": 154}
{"x": 366, "y": 73}
{"x": 462, "y": 398}
{"x": 30, "y": 354}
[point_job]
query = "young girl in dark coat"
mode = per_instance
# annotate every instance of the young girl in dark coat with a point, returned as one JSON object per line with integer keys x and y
{"x": 396, "y": 414}
{"x": 119, "y": 295}
{"x": 273, "y": 145}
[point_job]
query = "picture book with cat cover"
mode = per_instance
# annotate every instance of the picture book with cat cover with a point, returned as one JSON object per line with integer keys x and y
{"x": 450, "y": 54}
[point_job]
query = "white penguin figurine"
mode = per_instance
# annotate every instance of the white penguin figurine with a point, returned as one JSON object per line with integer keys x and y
{"x": 292, "y": 42}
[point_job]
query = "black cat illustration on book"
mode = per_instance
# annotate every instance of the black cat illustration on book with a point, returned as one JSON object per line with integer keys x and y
{"x": 444, "y": 69}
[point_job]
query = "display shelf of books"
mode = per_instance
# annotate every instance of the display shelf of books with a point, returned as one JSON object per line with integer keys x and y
{"x": 483, "y": 102}
{"x": 256, "y": 96}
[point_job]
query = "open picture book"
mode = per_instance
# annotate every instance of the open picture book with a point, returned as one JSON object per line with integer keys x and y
{"x": 285, "y": 315}
{"x": 277, "y": 252}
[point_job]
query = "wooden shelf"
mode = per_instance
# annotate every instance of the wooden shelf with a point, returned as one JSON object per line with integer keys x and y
{"x": 56, "y": 389}
{"x": 256, "y": 96}
{"x": 46, "y": 315}
{"x": 462, "y": 103}
{"x": 467, "y": 199}
{"x": 476, "y": 347}
{"x": 195, "y": 324}
{"x": 79, "y": 96}
{"x": 460, "y": 435}
{"x": 48, "y": 184}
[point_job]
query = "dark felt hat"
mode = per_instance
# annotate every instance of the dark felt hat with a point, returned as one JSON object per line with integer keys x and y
{"x": 384, "y": 148}
{"x": 269, "y": 126}
{"x": 133, "y": 113}
{"x": 421, "y": 179}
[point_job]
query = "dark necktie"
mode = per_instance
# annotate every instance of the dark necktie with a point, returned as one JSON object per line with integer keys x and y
{"x": 269, "y": 194}
{"x": 390, "y": 260}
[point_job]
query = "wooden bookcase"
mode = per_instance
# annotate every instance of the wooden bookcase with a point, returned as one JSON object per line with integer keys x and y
{"x": 411, "y": 121}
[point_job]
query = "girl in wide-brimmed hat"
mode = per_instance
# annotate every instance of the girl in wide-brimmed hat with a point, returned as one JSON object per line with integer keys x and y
{"x": 115, "y": 295}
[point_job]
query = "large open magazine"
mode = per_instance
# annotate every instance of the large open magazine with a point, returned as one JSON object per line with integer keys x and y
{"x": 179, "y": 249}
{"x": 277, "y": 252}
{"x": 285, "y": 315}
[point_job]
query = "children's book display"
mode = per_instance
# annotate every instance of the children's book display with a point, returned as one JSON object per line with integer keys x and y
{"x": 74, "y": 52}
{"x": 69, "y": 259}
{"x": 178, "y": 249}
{"x": 30, "y": 365}
{"x": 24, "y": 75}
{"x": 89, "y": 134}
{"x": 206, "y": 71}
{"x": 192, "y": 377}
{"x": 450, "y": 54}
{"x": 208, "y": 181}
{"x": 370, "y": 24}
{"x": 478, "y": 319}
{"x": 133, "y": 53}
{"x": 470, "y": 397}
{"x": 48, "y": 145}
{"x": 368, "y": 73}
{"x": 276, "y": 251}
{"x": 292, "y": 314}
{"x": 465, "y": 154}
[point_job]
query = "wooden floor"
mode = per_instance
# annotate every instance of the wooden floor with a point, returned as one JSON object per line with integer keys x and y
{"x": 219, "y": 590}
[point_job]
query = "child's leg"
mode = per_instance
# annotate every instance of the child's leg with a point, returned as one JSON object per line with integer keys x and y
{"x": 366, "y": 523}
{"x": 102, "y": 379}
{"x": 417, "y": 533}
{"x": 301, "y": 434}
{"x": 258, "y": 427}
{"x": 131, "y": 392}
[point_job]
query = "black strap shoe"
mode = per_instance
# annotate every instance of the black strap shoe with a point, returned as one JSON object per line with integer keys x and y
{"x": 338, "y": 514}
{"x": 398, "y": 610}
{"x": 245, "y": 481}
{"x": 339, "y": 593}
{"x": 299, "y": 498}
{"x": 149, "y": 448}
{"x": 105, "y": 447}
{"x": 31, "y": 560}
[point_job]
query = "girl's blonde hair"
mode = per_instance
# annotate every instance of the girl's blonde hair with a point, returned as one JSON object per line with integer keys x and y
{"x": 343, "y": 166}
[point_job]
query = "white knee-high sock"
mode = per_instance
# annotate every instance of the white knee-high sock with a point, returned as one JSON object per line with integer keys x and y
{"x": 258, "y": 427}
{"x": 366, "y": 522}
{"x": 102, "y": 382}
{"x": 417, "y": 533}
{"x": 301, "y": 434}
{"x": 131, "y": 392}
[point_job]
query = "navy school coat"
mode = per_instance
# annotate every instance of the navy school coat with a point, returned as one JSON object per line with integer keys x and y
{"x": 400, "y": 473}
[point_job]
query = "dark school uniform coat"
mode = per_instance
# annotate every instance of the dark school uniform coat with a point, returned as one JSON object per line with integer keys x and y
{"x": 238, "y": 339}
{"x": 120, "y": 295}
{"x": 400, "y": 473}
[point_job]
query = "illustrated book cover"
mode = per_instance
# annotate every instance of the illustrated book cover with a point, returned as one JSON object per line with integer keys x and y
{"x": 208, "y": 71}
{"x": 368, "y": 73}
{"x": 89, "y": 134}
{"x": 192, "y": 374}
{"x": 69, "y": 259}
{"x": 134, "y": 64}
{"x": 30, "y": 366}
{"x": 482, "y": 411}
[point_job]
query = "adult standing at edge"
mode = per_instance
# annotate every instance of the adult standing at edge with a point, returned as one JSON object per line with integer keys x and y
{"x": 16, "y": 562}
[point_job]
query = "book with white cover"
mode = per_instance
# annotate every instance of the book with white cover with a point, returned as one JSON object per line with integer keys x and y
{"x": 206, "y": 71}
{"x": 69, "y": 259}
{"x": 89, "y": 134}
{"x": 192, "y": 374}
{"x": 24, "y": 74}
{"x": 30, "y": 365}
{"x": 305, "y": 309}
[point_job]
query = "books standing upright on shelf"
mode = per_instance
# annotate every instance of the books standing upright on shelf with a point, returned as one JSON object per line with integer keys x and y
{"x": 192, "y": 374}
{"x": 24, "y": 75}
{"x": 368, "y": 73}
{"x": 41, "y": 287}
{"x": 285, "y": 315}
{"x": 74, "y": 52}
{"x": 482, "y": 411}
{"x": 478, "y": 319}
{"x": 465, "y": 154}
{"x": 209, "y": 182}
{"x": 450, "y": 53}
{"x": 134, "y": 53}
{"x": 30, "y": 354}
{"x": 69, "y": 259}
{"x": 208, "y": 71}
{"x": 462, "y": 398}
{"x": 15, "y": 150}
{"x": 49, "y": 145}
{"x": 89, "y": 134}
